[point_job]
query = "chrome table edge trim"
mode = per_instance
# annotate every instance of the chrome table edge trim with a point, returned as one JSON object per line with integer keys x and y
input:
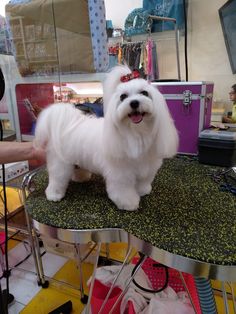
{"x": 109, "y": 235}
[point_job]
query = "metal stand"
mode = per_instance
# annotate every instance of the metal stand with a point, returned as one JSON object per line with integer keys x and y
{"x": 32, "y": 234}
{"x": 87, "y": 310}
{"x": 128, "y": 284}
{"x": 115, "y": 280}
{"x": 187, "y": 290}
{"x": 83, "y": 297}
{"x": 233, "y": 295}
{"x": 224, "y": 295}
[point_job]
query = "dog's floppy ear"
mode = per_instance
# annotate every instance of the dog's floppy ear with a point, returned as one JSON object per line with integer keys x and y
{"x": 167, "y": 139}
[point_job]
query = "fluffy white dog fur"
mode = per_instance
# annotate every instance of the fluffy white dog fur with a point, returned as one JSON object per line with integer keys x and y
{"x": 126, "y": 147}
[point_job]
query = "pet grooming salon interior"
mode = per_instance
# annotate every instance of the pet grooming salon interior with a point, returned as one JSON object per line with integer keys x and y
{"x": 118, "y": 156}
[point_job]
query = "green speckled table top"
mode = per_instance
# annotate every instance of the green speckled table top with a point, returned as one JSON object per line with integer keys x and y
{"x": 185, "y": 214}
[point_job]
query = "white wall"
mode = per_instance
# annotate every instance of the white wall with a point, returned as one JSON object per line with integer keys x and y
{"x": 208, "y": 58}
{"x": 207, "y": 55}
{"x": 117, "y": 10}
{"x": 2, "y": 6}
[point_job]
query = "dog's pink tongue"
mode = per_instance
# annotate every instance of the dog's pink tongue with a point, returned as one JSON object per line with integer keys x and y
{"x": 136, "y": 118}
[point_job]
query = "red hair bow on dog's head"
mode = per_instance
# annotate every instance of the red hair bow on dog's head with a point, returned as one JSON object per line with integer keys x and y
{"x": 135, "y": 74}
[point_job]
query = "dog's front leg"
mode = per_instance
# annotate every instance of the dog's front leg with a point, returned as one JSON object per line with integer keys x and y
{"x": 59, "y": 176}
{"x": 143, "y": 184}
{"x": 144, "y": 187}
{"x": 123, "y": 193}
{"x": 144, "y": 181}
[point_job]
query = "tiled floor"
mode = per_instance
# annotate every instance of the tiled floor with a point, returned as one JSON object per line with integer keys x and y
{"x": 23, "y": 280}
{"x": 23, "y": 284}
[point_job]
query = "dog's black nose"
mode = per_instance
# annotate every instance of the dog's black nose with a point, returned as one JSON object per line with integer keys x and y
{"x": 134, "y": 104}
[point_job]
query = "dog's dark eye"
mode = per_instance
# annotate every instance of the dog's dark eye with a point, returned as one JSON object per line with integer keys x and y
{"x": 144, "y": 92}
{"x": 123, "y": 96}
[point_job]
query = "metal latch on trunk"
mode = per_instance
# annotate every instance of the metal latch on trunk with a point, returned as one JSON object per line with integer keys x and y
{"x": 187, "y": 98}
{"x": 187, "y": 101}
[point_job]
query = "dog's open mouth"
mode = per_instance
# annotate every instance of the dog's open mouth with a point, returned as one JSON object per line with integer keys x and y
{"x": 136, "y": 116}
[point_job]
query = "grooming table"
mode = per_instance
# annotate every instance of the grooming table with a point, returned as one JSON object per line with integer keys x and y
{"x": 186, "y": 222}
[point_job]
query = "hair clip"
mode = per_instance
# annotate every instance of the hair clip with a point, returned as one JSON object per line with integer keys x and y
{"x": 135, "y": 74}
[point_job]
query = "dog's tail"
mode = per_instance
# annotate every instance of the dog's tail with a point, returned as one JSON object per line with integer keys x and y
{"x": 111, "y": 82}
{"x": 54, "y": 123}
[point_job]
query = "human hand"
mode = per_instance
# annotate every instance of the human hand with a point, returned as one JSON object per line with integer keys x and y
{"x": 38, "y": 154}
{"x": 227, "y": 120}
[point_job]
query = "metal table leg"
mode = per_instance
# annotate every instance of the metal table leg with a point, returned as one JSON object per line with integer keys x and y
{"x": 187, "y": 290}
{"x": 87, "y": 310}
{"x": 225, "y": 298}
{"x": 83, "y": 298}
{"x": 143, "y": 258}
{"x": 32, "y": 233}
{"x": 115, "y": 280}
{"x": 233, "y": 296}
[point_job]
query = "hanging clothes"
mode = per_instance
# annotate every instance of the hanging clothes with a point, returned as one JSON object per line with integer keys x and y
{"x": 140, "y": 56}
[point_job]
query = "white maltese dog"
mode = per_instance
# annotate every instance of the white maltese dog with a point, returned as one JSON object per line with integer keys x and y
{"x": 126, "y": 147}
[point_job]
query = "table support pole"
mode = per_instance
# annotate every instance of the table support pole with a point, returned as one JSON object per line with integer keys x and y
{"x": 32, "y": 234}
{"x": 225, "y": 298}
{"x": 40, "y": 279}
{"x": 115, "y": 280}
{"x": 143, "y": 258}
{"x": 233, "y": 296}
{"x": 87, "y": 310}
{"x": 187, "y": 290}
{"x": 79, "y": 264}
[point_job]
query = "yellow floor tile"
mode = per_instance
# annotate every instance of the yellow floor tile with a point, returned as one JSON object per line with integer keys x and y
{"x": 56, "y": 294}
{"x": 220, "y": 305}
{"x": 13, "y": 199}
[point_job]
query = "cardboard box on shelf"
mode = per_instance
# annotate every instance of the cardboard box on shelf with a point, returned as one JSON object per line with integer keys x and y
{"x": 51, "y": 37}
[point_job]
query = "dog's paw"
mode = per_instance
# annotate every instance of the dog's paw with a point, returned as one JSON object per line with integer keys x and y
{"x": 130, "y": 208}
{"x": 144, "y": 189}
{"x": 53, "y": 195}
{"x": 126, "y": 201}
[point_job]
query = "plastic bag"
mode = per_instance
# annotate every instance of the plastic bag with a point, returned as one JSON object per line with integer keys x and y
{"x": 165, "y": 8}
{"x": 138, "y": 22}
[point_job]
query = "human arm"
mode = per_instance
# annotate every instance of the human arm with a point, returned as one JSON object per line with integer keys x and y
{"x": 18, "y": 151}
{"x": 226, "y": 119}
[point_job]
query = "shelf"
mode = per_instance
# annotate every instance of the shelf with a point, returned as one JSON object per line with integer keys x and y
{"x": 16, "y": 38}
{"x": 4, "y": 116}
{"x": 33, "y": 41}
{"x": 9, "y": 135}
{"x": 43, "y": 61}
{"x": 27, "y": 137}
{"x": 60, "y": 77}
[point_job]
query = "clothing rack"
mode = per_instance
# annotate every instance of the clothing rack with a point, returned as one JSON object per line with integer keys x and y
{"x": 160, "y": 18}
{"x": 140, "y": 55}
{"x": 133, "y": 42}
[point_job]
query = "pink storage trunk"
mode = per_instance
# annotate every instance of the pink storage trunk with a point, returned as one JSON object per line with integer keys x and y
{"x": 190, "y": 106}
